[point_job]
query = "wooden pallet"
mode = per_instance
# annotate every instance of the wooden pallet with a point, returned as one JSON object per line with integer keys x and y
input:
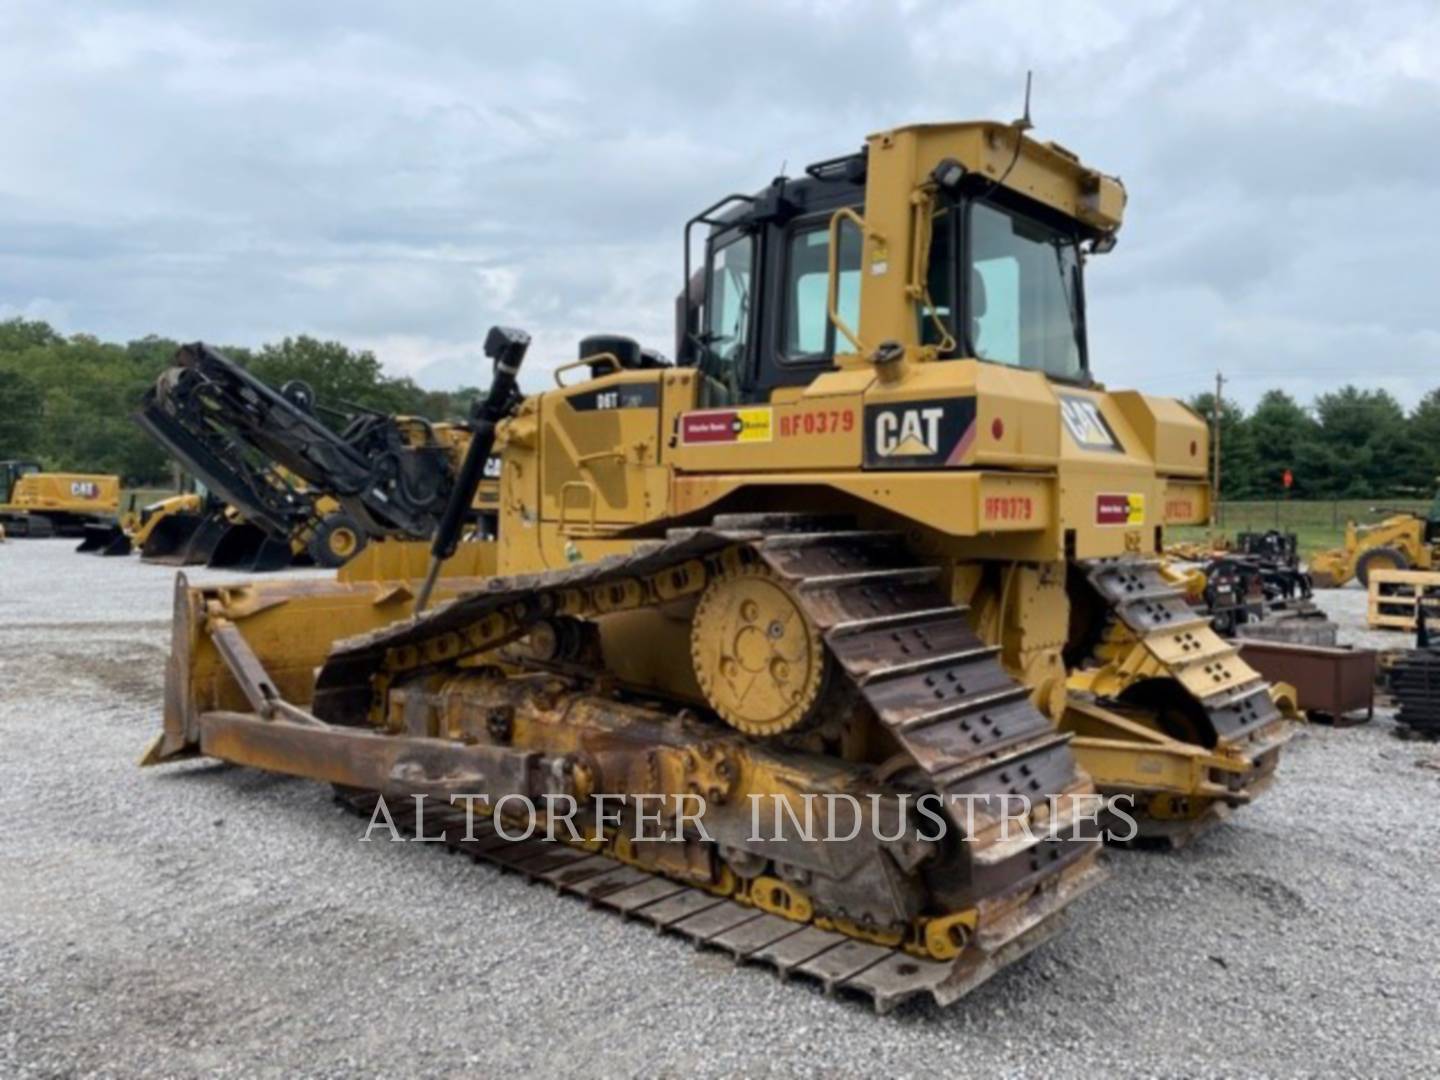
{"x": 1395, "y": 594}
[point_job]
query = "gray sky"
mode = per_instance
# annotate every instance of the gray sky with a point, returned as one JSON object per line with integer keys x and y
{"x": 400, "y": 176}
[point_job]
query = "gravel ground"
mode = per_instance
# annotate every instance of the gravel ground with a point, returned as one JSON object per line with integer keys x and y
{"x": 204, "y": 918}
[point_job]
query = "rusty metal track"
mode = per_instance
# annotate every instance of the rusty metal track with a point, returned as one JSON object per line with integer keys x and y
{"x": 839, "y": 964}
{"x": 939, "y": 689}
{"x": 910, "y": 654}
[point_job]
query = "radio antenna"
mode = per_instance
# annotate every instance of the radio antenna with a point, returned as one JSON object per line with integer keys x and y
{"x": 1024, "y": 124}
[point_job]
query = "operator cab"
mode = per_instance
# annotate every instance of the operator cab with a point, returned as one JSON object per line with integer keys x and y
{"x": 10, "y": 474}
{"x": 1004, "y": 279}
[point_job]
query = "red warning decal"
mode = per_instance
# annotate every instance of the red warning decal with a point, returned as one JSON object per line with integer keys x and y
{"x": 725, "y": 426}
{"x": 1119, "y": 509}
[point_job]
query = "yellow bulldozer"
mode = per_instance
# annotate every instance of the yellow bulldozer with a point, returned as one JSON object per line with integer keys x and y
{"x": 877, "y": 540}
{"x": 37, "y": 503}
{"x": 1403, "y": 541}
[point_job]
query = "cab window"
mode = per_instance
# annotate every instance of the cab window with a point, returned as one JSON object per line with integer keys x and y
{"x": 809, "y": 333}
{"x": 1024, "y": 293}
{"x": 727, "y": 309}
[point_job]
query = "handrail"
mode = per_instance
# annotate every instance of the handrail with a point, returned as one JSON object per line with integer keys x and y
{"x": 918, "y": 287}
{"x": 832, "y": 286}
{"x": 564, "y": 526}
{"x": 588, "y": 361}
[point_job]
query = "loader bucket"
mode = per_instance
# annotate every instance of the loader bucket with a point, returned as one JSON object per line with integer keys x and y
{"x": 105, "y": 540}
{"x": 247, "y": 548}
{"x": 184, "y": 539}
{"x": 236, "y": 547}
{"x": 272, "y": 555}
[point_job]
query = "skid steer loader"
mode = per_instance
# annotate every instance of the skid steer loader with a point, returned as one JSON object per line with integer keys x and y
{"x": 878, "y": 535}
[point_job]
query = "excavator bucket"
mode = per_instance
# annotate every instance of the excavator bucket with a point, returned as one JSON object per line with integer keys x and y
{"x": 185, "y": 539}
{"x": 105, "y": 540}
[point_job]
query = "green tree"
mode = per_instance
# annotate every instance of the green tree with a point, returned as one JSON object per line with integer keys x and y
{"x": 337, "y": 374}
{"x": 18, "y": 334}
{"x": 20, "y": 415}
{"x": 1284, "y": 436}
{"x": 1238, "y": 464}
{"x": 1424, "y": 427}
{"x": 1364, "y": 437}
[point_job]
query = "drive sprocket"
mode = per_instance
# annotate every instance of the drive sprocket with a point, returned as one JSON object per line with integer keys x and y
{"x": 759, "y": 659}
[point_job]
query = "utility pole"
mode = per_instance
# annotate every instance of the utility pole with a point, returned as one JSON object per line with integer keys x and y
{"x": 1215, "y": 443}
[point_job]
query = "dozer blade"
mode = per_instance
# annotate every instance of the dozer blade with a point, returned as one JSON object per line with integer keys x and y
{"x": 247, "y": 548}
{"x": 105, "y": 540}
{"x": 183, "y": 539}
{"x": 291, "y": 623}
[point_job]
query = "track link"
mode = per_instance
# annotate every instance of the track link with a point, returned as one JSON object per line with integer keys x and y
{"x": 1234, "y": 697}
{"x": 841, "y": 965}
{"x": 939, "y": 690}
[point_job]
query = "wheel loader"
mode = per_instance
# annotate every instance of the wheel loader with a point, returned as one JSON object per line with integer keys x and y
{"x": 877, "y": 537}
{"x": 1402, "y": 541}
{"x": 37, "y": 503}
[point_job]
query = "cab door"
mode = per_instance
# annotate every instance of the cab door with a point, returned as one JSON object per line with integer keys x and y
{"x": 599, "y": 454}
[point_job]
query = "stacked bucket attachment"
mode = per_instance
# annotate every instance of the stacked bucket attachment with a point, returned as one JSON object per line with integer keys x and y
{"x": 245, "y": 547}
{"x": 914, "y": 704}
{"x": 105, "y": 539}
{"x": 214, "y": 539}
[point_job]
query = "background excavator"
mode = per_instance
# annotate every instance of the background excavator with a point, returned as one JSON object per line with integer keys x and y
{"x": 37, "y": 503}
{"x": 878, "y": 533}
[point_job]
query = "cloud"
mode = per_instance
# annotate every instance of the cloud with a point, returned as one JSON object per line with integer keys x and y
{"x": 242, "y": 172}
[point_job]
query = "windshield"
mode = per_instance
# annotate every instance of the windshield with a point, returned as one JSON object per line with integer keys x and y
{"x": 1024, "y": 293}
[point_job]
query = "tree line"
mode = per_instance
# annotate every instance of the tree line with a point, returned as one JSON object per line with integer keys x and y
{"x": 66, "y": 402}
{"x": 1349, "y": 444}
